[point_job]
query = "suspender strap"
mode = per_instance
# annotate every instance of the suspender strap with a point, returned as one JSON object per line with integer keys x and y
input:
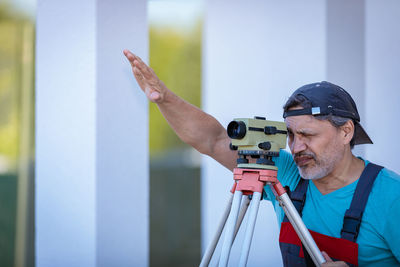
{"x": 353, "y": 216}
{"x": 298, "y": 196}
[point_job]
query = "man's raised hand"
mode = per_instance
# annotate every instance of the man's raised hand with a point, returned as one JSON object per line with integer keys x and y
{"x": 151, "y": 85}
{"x": 191, "y": 124}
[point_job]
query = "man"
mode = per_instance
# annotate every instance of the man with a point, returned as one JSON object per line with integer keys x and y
{"x": 350, "y": 205}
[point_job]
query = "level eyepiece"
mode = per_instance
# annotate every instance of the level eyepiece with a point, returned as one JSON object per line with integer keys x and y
{"x": 236, "y": 129}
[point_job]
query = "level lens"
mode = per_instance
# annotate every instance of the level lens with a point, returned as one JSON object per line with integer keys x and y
{"x": 236, "y": 129}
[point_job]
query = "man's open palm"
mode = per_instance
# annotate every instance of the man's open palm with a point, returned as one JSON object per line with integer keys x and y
{"x": 151, "y": 85}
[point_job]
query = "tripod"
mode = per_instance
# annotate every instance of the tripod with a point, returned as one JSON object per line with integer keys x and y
{"x": 251, "y": 181}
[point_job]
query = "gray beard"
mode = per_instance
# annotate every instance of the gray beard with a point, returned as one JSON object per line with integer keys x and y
{"x": 321, "y": 168}
{"x": 318, "y": 173}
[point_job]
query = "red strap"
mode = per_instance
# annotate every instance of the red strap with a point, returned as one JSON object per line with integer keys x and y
{"x": 337, "y": 248}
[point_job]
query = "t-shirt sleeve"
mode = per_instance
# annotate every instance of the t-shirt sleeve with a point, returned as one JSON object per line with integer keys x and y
{"x": 391, "y": 231}
{"x": 287, "y": 172}
{"x": 287, "y": 176}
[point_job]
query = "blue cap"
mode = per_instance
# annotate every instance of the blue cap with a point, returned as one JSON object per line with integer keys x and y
{"x": 329, "y": 99}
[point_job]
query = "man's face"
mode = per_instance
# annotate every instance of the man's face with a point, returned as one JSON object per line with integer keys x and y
{"x": 316, "y": 145}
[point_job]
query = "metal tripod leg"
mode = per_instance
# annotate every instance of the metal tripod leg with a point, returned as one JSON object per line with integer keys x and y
{"x": 205, "y": 261}
{"x": 251, "y": 222}
{"x": 243, "y": 209}
{"x": 301, "y": 229}
{"x": 297, "y": 223}
{"x": 211, "y": 247}
{"x": 230, "y": 229}
{"x": 249, "y": 180}
{"x": 242, "y": 213}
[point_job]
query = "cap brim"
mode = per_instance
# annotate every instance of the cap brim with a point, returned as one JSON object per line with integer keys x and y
{"x": 361, "y": 135}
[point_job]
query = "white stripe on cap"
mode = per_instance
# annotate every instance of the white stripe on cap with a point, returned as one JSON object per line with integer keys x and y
{"x": 315, "y": 110}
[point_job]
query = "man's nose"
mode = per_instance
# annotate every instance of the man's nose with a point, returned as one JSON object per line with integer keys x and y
{"x": 298, "y": 145}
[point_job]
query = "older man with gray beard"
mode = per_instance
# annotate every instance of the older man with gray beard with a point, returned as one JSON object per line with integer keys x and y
{"x": 350, "y": 205}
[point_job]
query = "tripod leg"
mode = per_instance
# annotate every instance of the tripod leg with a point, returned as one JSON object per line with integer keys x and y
{"x": 230, "y": 228}
{"x": 242, "y": 213}
{"x": 254, "y": 205}
{"x": 211, "y": 247}
{"x": 301, "y": 229}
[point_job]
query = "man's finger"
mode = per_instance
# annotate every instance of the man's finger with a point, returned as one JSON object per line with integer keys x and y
{"x": 152, "y": 95}
{"x": 137, "y": 73}
{"x": 130, "y": 56}
{"x": 137, "y": 63}
{"x": 139, "y": 78}
{"x": 146, "y": 70}
{"x": 155, "y": 96}
{"x": 128, "y": 53}
{"x": 326, "y": 256}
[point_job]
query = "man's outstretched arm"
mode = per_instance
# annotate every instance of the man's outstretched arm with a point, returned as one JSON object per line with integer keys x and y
{"x": 191, "y": 124}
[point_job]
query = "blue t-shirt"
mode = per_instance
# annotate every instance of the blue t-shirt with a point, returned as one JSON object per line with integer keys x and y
{"x": 379, "y": 236}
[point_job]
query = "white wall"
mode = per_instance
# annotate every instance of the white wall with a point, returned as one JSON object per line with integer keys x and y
{"x": 91, "y": 135}
{"x": 382, "y": 81}
{"x": 345, "y": 51}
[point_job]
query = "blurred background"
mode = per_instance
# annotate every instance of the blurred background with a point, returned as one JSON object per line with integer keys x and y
{"x": 175, "y": 35}
{"x": 175, "y": 32}
{"x": 17, "y": 61}
{"x": 231, "y": 58}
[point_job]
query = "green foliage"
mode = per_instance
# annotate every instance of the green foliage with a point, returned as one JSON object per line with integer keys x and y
{"x": 15, "y": 61}
{"x": 10, "y": 76}
{"x": 175, "y": 56}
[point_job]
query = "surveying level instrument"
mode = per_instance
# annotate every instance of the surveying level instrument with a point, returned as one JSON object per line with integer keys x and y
{"x": 259, "y": 139}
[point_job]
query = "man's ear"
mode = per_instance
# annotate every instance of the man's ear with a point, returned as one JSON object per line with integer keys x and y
{"x": 348, "y": 131}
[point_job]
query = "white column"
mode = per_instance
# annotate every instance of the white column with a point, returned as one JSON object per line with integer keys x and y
{"x": 382, "y": 81}
{"x": 91, "y": 135}
{"x": 255, "y": 54}
{"x": 345, "y": 48}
